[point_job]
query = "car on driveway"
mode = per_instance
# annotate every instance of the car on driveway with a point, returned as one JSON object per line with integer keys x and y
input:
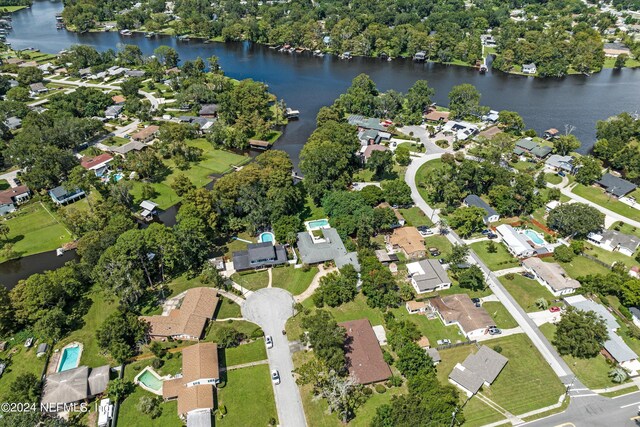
{"x": 269, "y": 341}
{"x": 492, "y": 236}
{"x": 424, "y": 231}
{"x": 476, "y": 301}
{"x": 434, "y": 251}
{"x": 494, "y": 330}
{"x": 555, "y": 309}
{"x": 275, "y": 376}
{"x": 528, "y": 275}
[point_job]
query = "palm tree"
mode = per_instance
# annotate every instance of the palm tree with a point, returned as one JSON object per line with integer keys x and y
{"x": 542, "y": 303}
{"x": 618, "y": 375}
{"x": 442, "y": 226}
{"x": 4, "y": 230}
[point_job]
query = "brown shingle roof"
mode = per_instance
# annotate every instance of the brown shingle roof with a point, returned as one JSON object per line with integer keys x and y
{"x": 6, "y": 196}
{"x": 364, "y": 356}
{"x": 145, "y": 133}
{"x": 200, "y": 361}
{"x": 409, "y": 239}
{"x": 198, "y": 305}
{"x": 170, "y": 388}
{"x": 459, "y": 308}
{"x": 196, "y": 397}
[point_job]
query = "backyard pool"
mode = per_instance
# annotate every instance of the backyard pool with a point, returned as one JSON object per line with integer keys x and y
{"x": 534, "y": 237}
{"x": 266, "y": 237}
{"x": 317, "y": 224}
{"x": 70, "y": 358}
{"x": 149, "y": 380}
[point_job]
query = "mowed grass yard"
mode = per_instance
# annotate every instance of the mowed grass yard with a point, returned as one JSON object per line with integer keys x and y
{"x": 499, "y": 260}
{"x": 580, "y": 266}
{"x": 526, "y": 291}
{"x": 22, "y": 361}
{"x": 253, "y": 281}
{"x": 212, "y": 162}
{"x": 597, "y": 195}
{"x": 33, "y": 230}
{"x": 415, "y": 217}
{"x": 244, "y": 353}
{"x": 500, "y": 315}
{"x": 294, "y": 280}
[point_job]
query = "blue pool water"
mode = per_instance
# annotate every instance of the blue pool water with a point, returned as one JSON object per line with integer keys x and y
{"x": 318, "y": 223}
{"x": 117, "y": 177}
{"x": 266, "y": 237}
{"x": 69, "y": 359}
{"x": 534, "y": 237}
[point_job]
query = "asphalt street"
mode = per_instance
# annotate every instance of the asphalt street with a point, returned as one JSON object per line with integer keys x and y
{"x": 270, "y": 308}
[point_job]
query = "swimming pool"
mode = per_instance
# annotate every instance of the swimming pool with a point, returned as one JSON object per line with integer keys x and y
{"x": 117, "y": 177}
{"x": 534, "y": 237}
{"x": 318, "y": 223}
{"x": 266, "y": 237}
{"x": 150, "y": 380}
{"x": 70, "y": 358}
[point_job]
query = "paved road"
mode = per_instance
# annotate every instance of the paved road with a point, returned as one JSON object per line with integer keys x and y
{"x": 270, "y": 308}
{"x": 595, "y": 411}
{"x": 549, "y": 353}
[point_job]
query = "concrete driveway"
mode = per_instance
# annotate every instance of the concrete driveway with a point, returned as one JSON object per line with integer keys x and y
{"x": 270, "y": 308}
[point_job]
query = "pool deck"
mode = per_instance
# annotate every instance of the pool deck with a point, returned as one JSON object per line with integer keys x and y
{"x": 311, "y": 228}
{"x": 153, "y": 372}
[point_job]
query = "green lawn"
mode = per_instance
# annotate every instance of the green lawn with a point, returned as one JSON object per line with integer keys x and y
{"x": 433, "y": 329}
{"x": 4, "y": 184}
{"x": 553, "y": 178}
{"x": 292, "y": 279}
{"x": 609, "y": 257}
{"x": 248, "y": 396}
{"x": 311, "y": 211}
{"x": 526, "y": 291}
{"x": 412, "y": 146}
{"x": 499, "y": 260}
{"x": 441, "y": 242}
{"x": 253, "y": 280}
{"x": 33, "y": 230}
{"x": 245, "y": 353}
{"x": 500, "y": 315}
{"x": 593, "y": 373}
{"x": 598, "y": 196}
{"x": 415, "y": 217}
{"x": 580, "y": 266}
{"x": 422, "y": 172}
{"x": 243, "y": 326}
{"x": 23, "y": 361}
{"x": 625, "y": 228}
{"x": 11, "y": 9}
{"x": 227, "y": 309}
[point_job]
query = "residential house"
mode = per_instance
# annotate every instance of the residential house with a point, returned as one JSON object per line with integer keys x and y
{"x": 434, "y": 116}
{"x": 195, "y": 387}
{"x": 551, "y": 133}
{"x": 98, "y": 164}
{"x": 461, "y": 129}
{"x": 612, "y": 240}
{"x": 386, "y": 258}
{"x": 524, "y": 145}
{"x": 614, "y": 348}
{"x": 187, "y": 322}
{"x": 552, "y": 276}
{"x": 258, "y": 144}
{"x": 491, "y": 117}
{"x": 37, "y": 89}
{"x": 416, "y": 307}
{"x": 541, "y": 151}
{"x": 635, "y": 315}
{"x": 552, "y": 205}
{"x": 208, "y": 110}
{"x": 11, "y": 198}
{"x": 146, "y": 135}
{"x": 363, "y": 353}
{"x": 134, "y": 73}
{"x": 477, "y": 370}
{"x": 558, "y": 163}
{"x": 259, "y": 255}
{"x": 125, "y": 149}
{"x": 373, "y": 136}
{"x": 490, "y": 214}
{"x": 428, "y": 276}
{"x": 529, "y": 68}
{"x": 112, "y": 112}
{"x": 75, "y": 385}
{"x": 13, "y": 123}
{"x": 366, "y": 123}
{"x": 409, "y": 241}
{"x": 116, "y": 70}
{"x": 315, "y": 250}
{"x": 13, "y": 61}
{"x": 118, "y": 99}
{"x": 615, "y": 185}
{"x": 368, "y": 150}
{"x": 434, "y": 355}
{"x": 516, "y": 243}
{"x": 613, "y": 50}
{"x": 61, "y": 196}
{"x": 84, "y": 72}
{"x": 459, "y": 310}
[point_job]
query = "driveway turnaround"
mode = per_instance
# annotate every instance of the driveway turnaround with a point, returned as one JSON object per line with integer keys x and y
{"x": 270, "y": 308}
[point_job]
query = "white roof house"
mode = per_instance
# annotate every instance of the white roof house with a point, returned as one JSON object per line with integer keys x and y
{"x": 461, "y": 129}
{"x": 613, "y": 240}
{"x": 428, "y": 276}
{"x": 552, "y": 276}
{"x": 516, "y": 243}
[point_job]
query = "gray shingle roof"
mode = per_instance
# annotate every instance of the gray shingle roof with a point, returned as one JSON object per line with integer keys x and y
{"x": 314, "y": 253}
{"x": 486, "y": 363}
{"x": 617, "y": 239}
{"x": 473, "y": 200}
{"x": 466, "y": 379}
{"x": 258, "y": 255}
{"x": 618, "y": 349}
{"x": 583, "y": 304}
{"x": 433, "y": 276}
{"x": 526, "y": 144}
{"x": 616, "y": 186}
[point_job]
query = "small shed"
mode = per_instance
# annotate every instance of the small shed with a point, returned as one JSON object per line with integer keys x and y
{"x": 42, "y": 349}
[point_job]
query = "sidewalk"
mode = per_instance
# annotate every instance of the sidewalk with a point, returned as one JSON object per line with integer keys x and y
{"x": 244, "y": 365}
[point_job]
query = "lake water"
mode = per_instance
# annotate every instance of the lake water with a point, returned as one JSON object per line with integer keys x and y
{"x": 307, "y": 83}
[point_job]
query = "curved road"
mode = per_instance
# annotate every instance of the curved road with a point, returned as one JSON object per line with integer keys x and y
{"x": 270, "y": 308}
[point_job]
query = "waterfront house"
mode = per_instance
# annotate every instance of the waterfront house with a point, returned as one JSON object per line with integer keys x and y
{"x": 615, "y": 185}
{"x": 524, "y": 145}
{"x": 366, "y": 123}
{"x": 491, "y": 117}
{"x": 259, "y": 255}
{"x": 327, "y": 247}
{"x": 148, "y": 209}
{"x": 428, "y": 276}
{"x": 363, "y": 353}
{"x": 552, "y": 276}
{"x": 147, "y": 134}
{"x": 195, "y": 387}
{"x": 366, "y": 151}
{"x": 461, "y": 129}
{"x": 551, "y": 133}
{"x": 516, "y": 243}
{"x": 434, "y": 116}
{"x": 409, "y": 241}
{"x": 189, "y": 320}
{"x": 113, "y": 111}
{"x": 558, "y": 163}
{"x": 208, "y": 111}
{"x": 529, "y": 68}
{"x": 61, "y": 196}
{"x": 258, "y": 144}
{"x": 490, "y": 214}
{"x": 84, "y": 72}
{"x": 612, "y": 240}
{"x": 11, "y": 198}
{"x": 477, "y": 370}
{"x": 613, "y": 50}
{"x": 459, "y": 310}
{"x": 98, "y": 164}
{"x": 541, "y": 151}
{"x": 37, "y": 89}
{"x": 75, "y": 385}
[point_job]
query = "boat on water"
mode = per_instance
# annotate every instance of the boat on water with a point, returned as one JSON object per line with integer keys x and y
{"x": 483, "y": 68}
{"x": 318, "y": 53}
{"x": 125, "y": 32}
{"x": 150, "y": 34}
{"x": 346, "y": 55}
{"x": 183, "y": 38}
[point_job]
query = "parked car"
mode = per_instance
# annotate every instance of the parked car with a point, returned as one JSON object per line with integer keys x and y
{"x": 434, "y": 251}
{"x": 555, "y": 309}
{"x": 442, "y": 261}
{"x": 560, "y": 173}
{"x": 444, "y": 342}
{"x": 486, "y": 231}
{"x": 492, "y": 236}
{"x": 29, "y": 342}
{"x": 494, "y": 331}
{"x": 476, "y": 301}
{"x": 269, "y": 341}
{"x": 275, "y": 376}
{"x": 528, "y": 275}
{"x": 425, "y": 231}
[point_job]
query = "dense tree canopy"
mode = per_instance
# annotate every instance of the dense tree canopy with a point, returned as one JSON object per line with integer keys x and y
{"x": 580, "y": 334}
